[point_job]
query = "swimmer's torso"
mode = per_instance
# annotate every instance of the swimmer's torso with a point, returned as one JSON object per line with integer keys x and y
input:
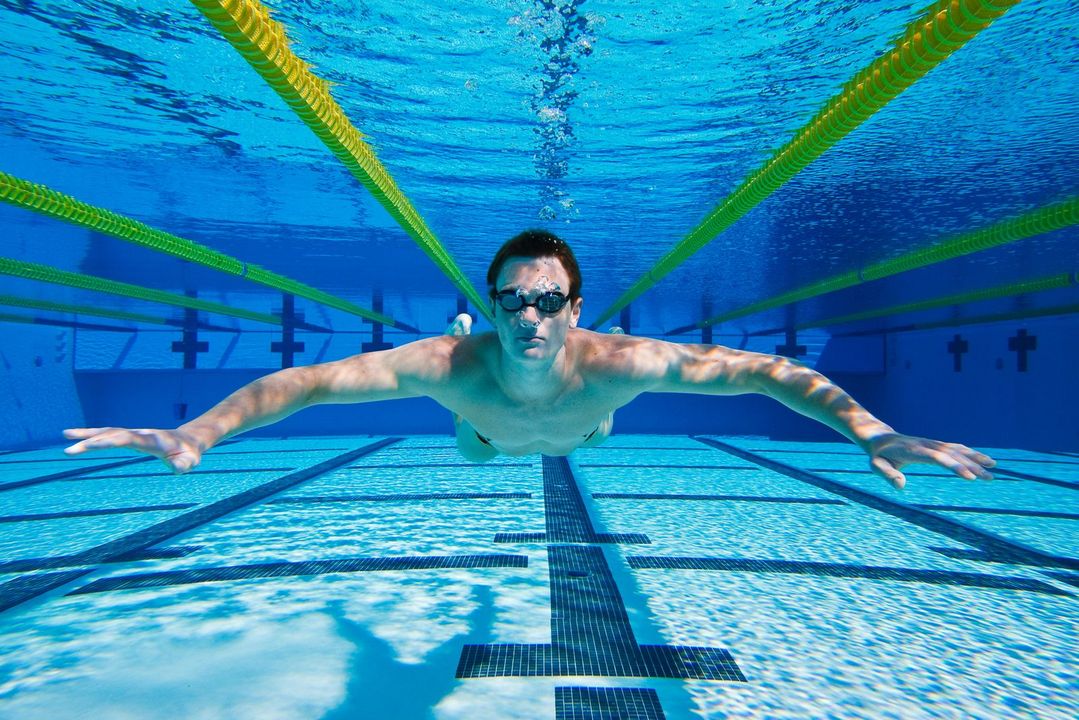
{"x": 562, "y": 415}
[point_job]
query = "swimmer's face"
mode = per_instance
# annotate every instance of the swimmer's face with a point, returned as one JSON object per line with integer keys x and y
{"x": 529, "y": 334}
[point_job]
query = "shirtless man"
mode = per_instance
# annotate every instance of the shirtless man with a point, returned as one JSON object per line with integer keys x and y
{"x": 538, "y": 383}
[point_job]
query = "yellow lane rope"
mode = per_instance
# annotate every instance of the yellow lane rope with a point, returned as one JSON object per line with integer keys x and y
{"x": 51, "y": 203}
{"x": 946, "y": 27}
{"x": 262, "y": 41}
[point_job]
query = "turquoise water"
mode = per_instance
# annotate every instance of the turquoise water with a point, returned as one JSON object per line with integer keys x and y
{"x": 678, "y": 576}
{"x": 834, "y": 595}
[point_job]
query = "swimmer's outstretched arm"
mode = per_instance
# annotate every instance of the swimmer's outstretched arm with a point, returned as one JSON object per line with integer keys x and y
{"x": 714, "y": 369}
{"x": 406, "y": 371}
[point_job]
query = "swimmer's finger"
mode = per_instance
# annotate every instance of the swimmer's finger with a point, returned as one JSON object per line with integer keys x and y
{"x": 117, "y": 437}
{"x": 181, "y": 462}
{"x": 957, "y": 463}
{"x": 79, "y": 433}
{"x": 85, "y": 434}
{"x": 883, "y": 467}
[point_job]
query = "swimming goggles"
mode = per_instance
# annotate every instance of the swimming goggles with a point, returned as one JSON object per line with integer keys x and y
{"x": 549, "y": 302}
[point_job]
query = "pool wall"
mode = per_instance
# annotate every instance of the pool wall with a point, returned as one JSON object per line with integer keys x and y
{"x": 908, "y": 379}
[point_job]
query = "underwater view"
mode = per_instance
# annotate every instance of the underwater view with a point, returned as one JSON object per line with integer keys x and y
{"x": 539, "y": 359}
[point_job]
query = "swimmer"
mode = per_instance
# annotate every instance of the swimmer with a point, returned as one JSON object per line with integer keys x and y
{"x": 538, "y": 383}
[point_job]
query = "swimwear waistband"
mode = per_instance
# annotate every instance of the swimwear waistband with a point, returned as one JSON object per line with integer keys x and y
{"x": 487, "y": 441}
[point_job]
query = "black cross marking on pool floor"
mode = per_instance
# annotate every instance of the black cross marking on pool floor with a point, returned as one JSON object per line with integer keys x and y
{"x": 590, "y": 628}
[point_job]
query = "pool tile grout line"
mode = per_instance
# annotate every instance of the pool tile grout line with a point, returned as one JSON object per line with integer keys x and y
{"x": 400, "y": 497}
{"x": 62, "y": 561}
{"x": 672, "y": 467}
{"x": 999, "y": 511}
{"x": 19, "y": 590}
{"x": 991, "y": 545}
{"x": 297, "y": 569}
{"x": 165, "y": 474}
{"x": 93, "y": 513}
{"x": 840, "y": 570}
{"x": 737, "y": 498}
{"x": 1035, "y": 478}
{"x": 73, "y": 473}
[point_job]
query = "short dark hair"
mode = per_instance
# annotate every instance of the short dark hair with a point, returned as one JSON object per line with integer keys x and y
{"x": 537, "y": 244}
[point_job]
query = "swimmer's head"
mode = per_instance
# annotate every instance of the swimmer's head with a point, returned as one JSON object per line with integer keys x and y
{"x": 537, "y": 244}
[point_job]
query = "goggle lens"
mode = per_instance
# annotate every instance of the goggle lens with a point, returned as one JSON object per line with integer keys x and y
{"x": 549, "y": 302}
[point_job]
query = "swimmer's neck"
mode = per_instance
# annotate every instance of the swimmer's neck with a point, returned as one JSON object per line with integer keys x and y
{"x": 527, "y": 380}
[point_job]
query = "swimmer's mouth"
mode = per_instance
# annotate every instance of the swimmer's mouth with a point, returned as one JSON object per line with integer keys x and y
{"x": 529, "y": 338}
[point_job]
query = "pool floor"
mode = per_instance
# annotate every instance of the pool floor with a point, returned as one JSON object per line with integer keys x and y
{"x": 651, "y": 577}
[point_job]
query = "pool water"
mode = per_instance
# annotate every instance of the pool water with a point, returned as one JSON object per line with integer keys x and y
{"x": 651, "y": 577}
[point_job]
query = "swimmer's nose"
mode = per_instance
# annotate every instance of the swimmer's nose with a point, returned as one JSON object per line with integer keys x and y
{"x": 529, "y": 315}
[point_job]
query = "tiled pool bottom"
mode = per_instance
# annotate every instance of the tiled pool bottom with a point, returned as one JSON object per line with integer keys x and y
{"x": 652, "y": 577}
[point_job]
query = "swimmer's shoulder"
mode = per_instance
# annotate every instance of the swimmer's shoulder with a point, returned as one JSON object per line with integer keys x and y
{"x": 620, "y": 355}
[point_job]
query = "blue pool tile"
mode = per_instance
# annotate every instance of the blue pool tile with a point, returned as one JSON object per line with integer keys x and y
{"x": 991, "y": 544}
{"x": 601, "y": 703}
{"x": 15, "y": 592}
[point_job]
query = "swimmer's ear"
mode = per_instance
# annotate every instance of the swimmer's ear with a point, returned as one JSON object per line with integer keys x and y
{"x": 575, "y": 311}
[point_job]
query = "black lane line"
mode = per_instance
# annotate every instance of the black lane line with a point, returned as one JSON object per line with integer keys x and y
{"x": 800, "y": 452}
{"x": 590, "y": 628}
{"x": 626, "y": 447}
{"x": 62, "y": 561}
{"x": 14, "y": 593}
{"x": 1070, "y": 578}
{"x": 1001, "y": 511}
{"x": 93, "y": 513}
{"x": 65, "y": 474}
{"x": 1036, "y": 478}
{"x": 591, "y": 634}
{"x": 913, "y": 473}
{"x": 66, "y": 459}
{"x": 739, "y": 498}
{"x": 600, "y": 703}
{"x": 277, "y": 452}
{"x": 296, "y": 569}
{"x": 993, "y": 547}
{"x": 820, "y": 569}
{"x": 167, "y": 474}
{"x": 673, "y": 467}
{"x": 565, "y": 516}
{"x": 402, "y": 497}
{"x": 1041, "y": 462}
{"x": 488, "y": 466}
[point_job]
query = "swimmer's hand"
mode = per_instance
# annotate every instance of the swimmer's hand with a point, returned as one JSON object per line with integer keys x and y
{"x": 178, "y": 450}
{"x": 890, "y": 452}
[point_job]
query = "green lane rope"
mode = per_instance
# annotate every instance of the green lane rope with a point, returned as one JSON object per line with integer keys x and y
{"x": 1070, "y": 309}
{"x": 28, "y": 320}
{"x": 13, "y": 301}
{"x": 262, "y": 42}
{"x": 946, "y": 27}
{"x": 1000, "y": 291}
{"x": 1043, "y": 220}
{"x": 51, "y": 203}
{"x": 45, "y": 273}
